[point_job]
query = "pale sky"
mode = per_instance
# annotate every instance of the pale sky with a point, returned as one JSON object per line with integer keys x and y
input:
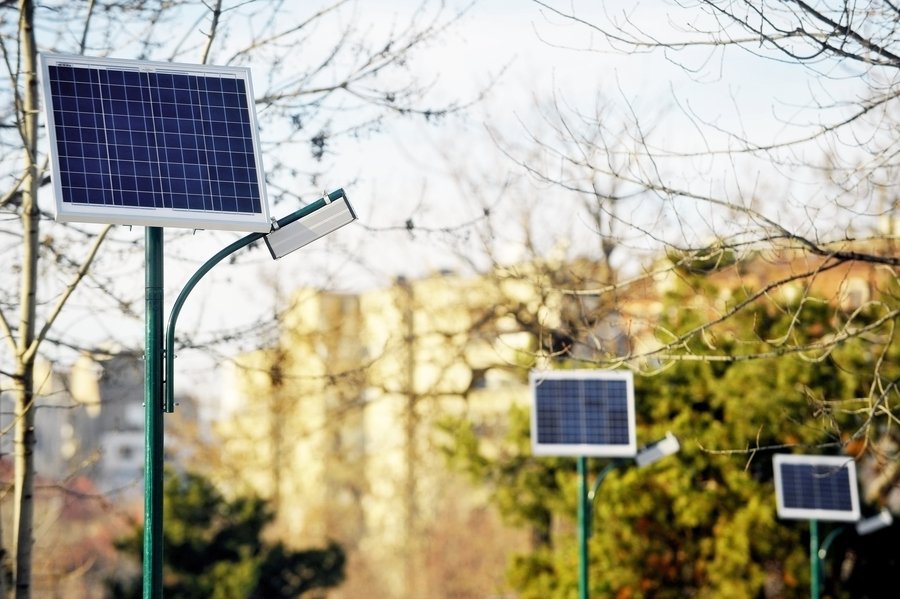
{"x": 405, "y": 172}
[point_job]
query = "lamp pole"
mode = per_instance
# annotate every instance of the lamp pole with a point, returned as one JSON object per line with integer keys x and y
{"x": 584, "y": 517}
{"x": 159, "y": 381}
{"x": 814, "y": 561}
{"x": 153, "y": 414}
{"x": 158, "y": 396}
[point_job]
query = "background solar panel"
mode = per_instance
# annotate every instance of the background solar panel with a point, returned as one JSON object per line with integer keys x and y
{"x": 583, "y": 413}
{"x": 816, "y": 487}
{"x": 154, "y": 144}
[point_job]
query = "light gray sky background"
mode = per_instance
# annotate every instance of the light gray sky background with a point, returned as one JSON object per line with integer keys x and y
{"x": 408, "y": 172}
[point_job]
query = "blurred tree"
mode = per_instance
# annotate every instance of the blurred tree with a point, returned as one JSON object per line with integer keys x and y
{"x": 214, "y": 547}
{"x": 703, "y": 523}
{"x": 817, "y": 177}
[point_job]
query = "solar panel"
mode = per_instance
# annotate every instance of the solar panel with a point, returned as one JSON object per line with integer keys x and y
{"x": 809, "y": 487}
{"x": 155, "y": 144}
{"x": 582, "y": 413}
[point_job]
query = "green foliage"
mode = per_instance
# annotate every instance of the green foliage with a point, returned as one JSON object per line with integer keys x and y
{"x": 703, "y": 523}
{"x": 213, "y": 549}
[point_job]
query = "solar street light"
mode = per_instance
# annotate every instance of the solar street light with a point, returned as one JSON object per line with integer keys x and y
{"x": 165, "y": 145}
{"x": 816, "y": 487}
{"x": 585, "y": 413}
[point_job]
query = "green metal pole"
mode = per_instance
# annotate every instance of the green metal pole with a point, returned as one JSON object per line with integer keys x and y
{"x": 584, "y": 523}
{"x": 153, "y": 414}
{"x": 814, "y": 559}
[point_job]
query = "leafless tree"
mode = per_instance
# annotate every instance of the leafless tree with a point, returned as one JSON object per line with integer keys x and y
{"x": 326, "y": 72}
{"x": 812, "y": 188}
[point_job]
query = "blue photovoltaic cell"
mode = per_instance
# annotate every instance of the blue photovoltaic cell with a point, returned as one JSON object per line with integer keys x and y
{"x": 582, "y": 412}
{"x": 154, "y": 140}
{"x": 816, "y": 487}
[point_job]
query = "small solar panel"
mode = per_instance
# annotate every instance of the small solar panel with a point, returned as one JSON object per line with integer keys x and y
{"x": 582, "y": 413}
{"x": 156, "y": 144}
{"x": 811, "y": 487}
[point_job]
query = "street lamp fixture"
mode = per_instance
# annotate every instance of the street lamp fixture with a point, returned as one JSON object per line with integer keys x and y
{"x": 300, "y": 229}
{"x": 875, "y": 523}
{"x": 657, "y": 450}
{"x": 646, "y": 455}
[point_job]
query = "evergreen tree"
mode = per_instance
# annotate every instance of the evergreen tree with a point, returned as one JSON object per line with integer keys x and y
{"x": 703, "y": 523}
{"x": 213, "y": 549}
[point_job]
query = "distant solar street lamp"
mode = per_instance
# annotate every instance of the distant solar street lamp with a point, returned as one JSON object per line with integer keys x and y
{"x": 585, "y": 413}
{"x": 160, "y": 144}
{"x": 816, "y": 487}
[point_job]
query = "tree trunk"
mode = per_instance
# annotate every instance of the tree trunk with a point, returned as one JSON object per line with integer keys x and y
{"x": 25, "y": 355}
{"x": 24, "y": 482}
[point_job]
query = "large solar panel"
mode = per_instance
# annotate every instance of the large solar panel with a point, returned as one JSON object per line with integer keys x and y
{"x": 582, "y": 413}
{"x": 811, "y": 487}
{"x": 155, "y": 144}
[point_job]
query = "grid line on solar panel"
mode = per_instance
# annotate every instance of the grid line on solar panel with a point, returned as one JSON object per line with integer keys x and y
{"x": 815, "y": 486}
{"x": 154, "y": 140}
{"x": 591, "y": 412}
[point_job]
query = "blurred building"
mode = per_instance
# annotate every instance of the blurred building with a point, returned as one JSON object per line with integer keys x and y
{"x": 109, "y": 432}
{"x": 338, "y": 424}
{"x": 89, "y": 422}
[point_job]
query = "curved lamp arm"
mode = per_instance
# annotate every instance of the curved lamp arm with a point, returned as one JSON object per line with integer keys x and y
{"x": 592, "y": 495}
{"x": 169, "y": 399}
{"x": 169, "y": 393}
